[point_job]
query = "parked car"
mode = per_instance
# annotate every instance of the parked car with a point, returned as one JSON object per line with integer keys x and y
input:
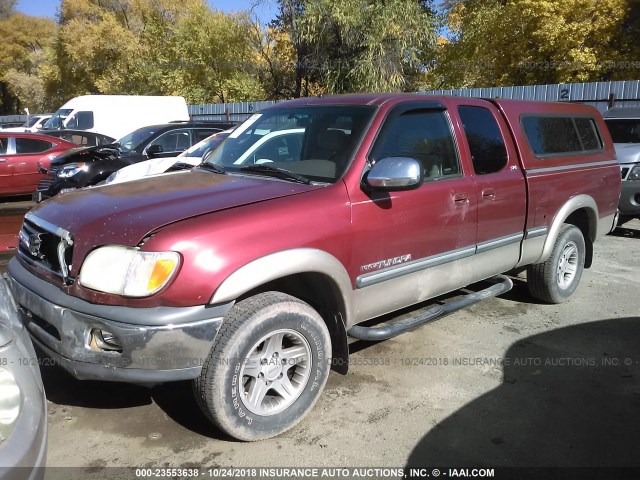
{"x": 23, "y": 406}
{"x": 624, "y": 126}
{"x": 188, "y": 159}
{"x": 281, "y": 145}
{"x": 20, "y": 154}
{"x": 117, "y": 115}
{"x": 90, "y": 166}
{"x": 248, "y": 278}
{"x": 34, "y": 124}
{"x": 80, "y": 137}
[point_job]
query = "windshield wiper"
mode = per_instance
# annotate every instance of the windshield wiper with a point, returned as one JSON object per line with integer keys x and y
{"x": 212, "y": 167}
{"x": 276, "y": 172}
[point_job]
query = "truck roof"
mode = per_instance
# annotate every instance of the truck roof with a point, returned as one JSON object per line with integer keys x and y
{"x": 379, "y": 99}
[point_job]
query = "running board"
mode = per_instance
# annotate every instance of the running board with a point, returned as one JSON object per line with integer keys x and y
{"x": 502, "y": 285}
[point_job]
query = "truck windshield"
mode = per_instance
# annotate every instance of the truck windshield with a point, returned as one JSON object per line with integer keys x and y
{"x": 624, "y": 130}
{"x": 316, "y": 142}
{"x": 136, "y": 138}
{"x": 57, "y": 121}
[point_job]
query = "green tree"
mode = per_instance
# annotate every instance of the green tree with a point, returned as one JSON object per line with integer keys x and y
{"x": 360, "y": 45}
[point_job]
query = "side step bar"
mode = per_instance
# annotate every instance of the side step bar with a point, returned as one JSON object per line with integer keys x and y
{"x": 502, "y": 285}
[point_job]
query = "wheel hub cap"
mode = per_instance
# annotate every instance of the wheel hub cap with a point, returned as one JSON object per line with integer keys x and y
{"x": 275, "y": 372}
{"x": 567, "y": 265}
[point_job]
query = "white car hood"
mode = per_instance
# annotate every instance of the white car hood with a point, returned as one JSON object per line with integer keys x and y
{"x": 154, "y": 166}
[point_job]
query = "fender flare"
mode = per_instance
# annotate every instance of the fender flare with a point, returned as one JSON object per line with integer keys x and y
{"x": 282, "y": 264}
{"x": 572, "y": 205}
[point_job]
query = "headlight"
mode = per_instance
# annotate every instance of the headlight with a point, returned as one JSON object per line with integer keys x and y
{"x": 128, "y": 271}
{"x": 72, "y": 169}
{"x": 635, "y": 173}
{"x": 10, "y": 402}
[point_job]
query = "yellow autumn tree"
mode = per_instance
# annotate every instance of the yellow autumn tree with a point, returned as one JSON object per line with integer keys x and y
{"x": 521, "y": 42}
{"x": 152, "y": 47}
{"x": 24, "y": 39}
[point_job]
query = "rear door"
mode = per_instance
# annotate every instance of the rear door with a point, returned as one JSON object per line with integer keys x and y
{"x": 499, "y": 183}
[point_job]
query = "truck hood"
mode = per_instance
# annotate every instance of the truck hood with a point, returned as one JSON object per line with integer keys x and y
{"x": 628, "y": 152}
{"x": 124, "y": 214}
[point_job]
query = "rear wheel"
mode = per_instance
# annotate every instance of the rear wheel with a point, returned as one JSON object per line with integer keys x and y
{"x": 555, "y": 280}
{"x": 267, "y": 368}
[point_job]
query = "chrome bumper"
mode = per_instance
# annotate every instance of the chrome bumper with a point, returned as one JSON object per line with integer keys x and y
{"x": 159, "y": 344}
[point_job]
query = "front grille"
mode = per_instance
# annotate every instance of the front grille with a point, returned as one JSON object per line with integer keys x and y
{"x": 45, "y": 246}
{"x": 45, "y": 184}
{"x": 625, "y": 172}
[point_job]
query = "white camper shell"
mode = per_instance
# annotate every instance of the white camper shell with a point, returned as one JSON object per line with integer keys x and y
{"x": 117, "y": 115}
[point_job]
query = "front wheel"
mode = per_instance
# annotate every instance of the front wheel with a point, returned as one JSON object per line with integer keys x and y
{"x": 555, "y": 280}
{"x": 267, "y": 368}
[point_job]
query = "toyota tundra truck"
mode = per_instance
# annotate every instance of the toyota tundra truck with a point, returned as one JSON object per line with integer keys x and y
{"x": 249, "y": 273}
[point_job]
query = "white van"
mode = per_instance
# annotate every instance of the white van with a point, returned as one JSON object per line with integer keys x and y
{"x": 117, "y": 115}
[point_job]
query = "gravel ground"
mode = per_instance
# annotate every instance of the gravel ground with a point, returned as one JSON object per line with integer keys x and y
{"x": 508, "y": 382}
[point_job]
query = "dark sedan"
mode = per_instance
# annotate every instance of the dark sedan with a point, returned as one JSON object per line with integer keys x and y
{"x": 80, "y": 137}
{"x": 85, "y": 167}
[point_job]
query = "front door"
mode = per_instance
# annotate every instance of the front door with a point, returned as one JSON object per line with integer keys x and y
{"x": 412, "y": 245}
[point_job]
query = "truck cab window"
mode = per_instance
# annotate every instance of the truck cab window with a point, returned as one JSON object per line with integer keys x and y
{"x": 424, "y": 135}
{"x": 488, "y": 151}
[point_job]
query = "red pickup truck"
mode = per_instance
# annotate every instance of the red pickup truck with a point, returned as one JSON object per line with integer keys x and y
{"x": 248, "y": 273}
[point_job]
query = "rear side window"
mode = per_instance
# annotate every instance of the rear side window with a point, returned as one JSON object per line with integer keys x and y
{"x": 29, "y": 145}
{"x": 488, "y": 151}
{"x": 424, "y": 135}
{"x": 557, "y": 135}
{"x": 624, "y": 130}
{"x": 81, "y": 121}
{"x": 200, "y": 135}
{"x": 3, "y": 145}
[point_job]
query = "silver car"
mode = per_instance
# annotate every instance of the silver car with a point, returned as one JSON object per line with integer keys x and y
{"x": 624, "y": 126}
{"x": 23, "y": 407}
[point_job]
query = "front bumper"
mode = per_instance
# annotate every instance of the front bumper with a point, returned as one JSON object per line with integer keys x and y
{"x": 630, "y": 198}
{"x": 23, "y": 454}
{"x": 159, "y": 344}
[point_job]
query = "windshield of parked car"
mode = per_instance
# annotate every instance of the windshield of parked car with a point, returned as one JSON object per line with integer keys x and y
{"x": 624, "y": 130}
{"x": 32, "y": 121}
{"x": 57, "y": 121}
{"x": 206, "y": 145}
{"x": 316, "y": 142}
{"x": 136, "y": 138}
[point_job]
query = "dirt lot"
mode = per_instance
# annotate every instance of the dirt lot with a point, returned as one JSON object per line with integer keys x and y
{"x": 509, "y": 382}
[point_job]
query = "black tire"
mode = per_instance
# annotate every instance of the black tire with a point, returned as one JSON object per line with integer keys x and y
{"x": 543, "y": 279}
{"x": 220, "y": 389}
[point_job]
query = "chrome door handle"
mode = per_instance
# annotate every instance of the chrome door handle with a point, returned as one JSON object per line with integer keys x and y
{"x": 3, "y": 160}
{"x": 489, "y": 194}
{"x": 461, "y": 199}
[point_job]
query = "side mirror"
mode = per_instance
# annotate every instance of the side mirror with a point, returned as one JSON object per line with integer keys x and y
{"x": 395, "y": 173}
{"x": 154, "y": 150}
